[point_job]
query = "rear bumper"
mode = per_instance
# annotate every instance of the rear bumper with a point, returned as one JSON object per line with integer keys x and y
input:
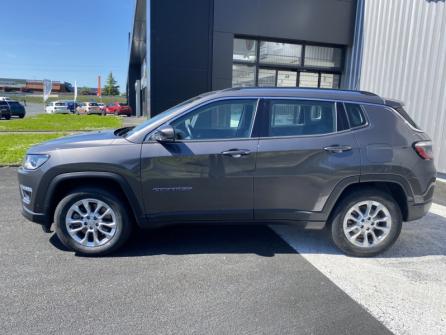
{"x": 415, "y": 212}
{"x": 421, "y": 205}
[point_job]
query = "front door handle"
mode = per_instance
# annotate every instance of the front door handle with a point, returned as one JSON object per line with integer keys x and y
{"x": 338, "y": 148}
{"x": 236, "y": 153}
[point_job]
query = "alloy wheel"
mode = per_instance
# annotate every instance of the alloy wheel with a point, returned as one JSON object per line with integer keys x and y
{"x": 367, "y": 224}
{"x": 91, "y": 222}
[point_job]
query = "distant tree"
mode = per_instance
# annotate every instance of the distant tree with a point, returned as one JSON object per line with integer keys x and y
{"x": 110, "y": 86}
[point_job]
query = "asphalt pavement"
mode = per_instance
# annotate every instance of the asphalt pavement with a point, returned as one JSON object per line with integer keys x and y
{"x": 178, "y": 280}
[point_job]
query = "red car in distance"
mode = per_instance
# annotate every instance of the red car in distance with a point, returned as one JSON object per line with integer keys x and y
{"x": 118, "y": 108}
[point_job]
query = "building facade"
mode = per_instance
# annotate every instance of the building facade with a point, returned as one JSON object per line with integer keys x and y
{"x": 395, "y": 48}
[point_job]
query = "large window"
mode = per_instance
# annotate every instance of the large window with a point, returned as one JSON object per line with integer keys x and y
{"x": 218, "y": 120}
{"x": 268, "y": 63}
{"x": 301, "y": 117}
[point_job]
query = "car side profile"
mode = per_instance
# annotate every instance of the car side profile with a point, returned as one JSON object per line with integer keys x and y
{"x": 88, "y": 108}
{"x": 5, "y": 112}
{"x": 118, "y": 108}
{"x": 57, "y": 107}
{"x": 15, "y": 108}
{"x": 348, "y": 160}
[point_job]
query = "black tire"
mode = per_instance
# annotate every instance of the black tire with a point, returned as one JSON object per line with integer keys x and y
{"x": 8, "y": 116}
{"x": 122, "y": 219}
{"x": 21, "y": 116}
{"x": 116, "y": 113}
{"x": 337, "y": 231}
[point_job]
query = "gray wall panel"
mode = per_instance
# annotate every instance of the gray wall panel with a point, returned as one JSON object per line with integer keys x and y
{"x": 404, "y": 57}
{"x": 324, "y": 21}
{"x": 222, "y": 60}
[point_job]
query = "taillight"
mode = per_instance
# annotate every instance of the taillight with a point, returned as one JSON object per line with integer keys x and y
{"x": 424, "y": 149}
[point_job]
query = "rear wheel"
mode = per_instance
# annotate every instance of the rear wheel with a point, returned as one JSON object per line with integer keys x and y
{"x": 92, "y": 222}
{"x": 8, "y": 116}
{"x": 116, "y": 113}
{"x": 366, "y": 223}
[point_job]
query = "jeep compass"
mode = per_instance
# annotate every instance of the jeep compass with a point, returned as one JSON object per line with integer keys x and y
{"x": 350, "y": 161}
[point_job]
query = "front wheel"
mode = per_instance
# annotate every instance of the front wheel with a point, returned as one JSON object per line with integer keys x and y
{"x": 365, "y": 223}
{"x": 92, "y": 222}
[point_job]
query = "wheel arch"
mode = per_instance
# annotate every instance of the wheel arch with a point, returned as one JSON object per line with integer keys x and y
{"x": 62, "y": 184}
{"x": 400, "y": 192}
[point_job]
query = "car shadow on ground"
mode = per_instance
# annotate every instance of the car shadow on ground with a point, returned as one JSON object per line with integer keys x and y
{"x": 419, "y": 238}
{"x": 193, "y": 239}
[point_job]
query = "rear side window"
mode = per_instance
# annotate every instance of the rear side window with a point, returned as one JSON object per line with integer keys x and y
{"x": 355, "y": 115}
{"x": 300, "y": 117}
{"x": 406, "y": 116}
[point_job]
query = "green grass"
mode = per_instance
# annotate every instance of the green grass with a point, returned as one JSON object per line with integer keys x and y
{"x": 14, "y": 146}
{"x": 83, "y": 98}
{"x": 61, "y": 122}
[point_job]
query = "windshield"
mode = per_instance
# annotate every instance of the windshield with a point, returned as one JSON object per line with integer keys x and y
{"x": 165, "y": 113}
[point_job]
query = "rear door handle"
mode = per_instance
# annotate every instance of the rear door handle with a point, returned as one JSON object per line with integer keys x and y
{"x": 338, "y": 148}
{"x": 236, "y": 153}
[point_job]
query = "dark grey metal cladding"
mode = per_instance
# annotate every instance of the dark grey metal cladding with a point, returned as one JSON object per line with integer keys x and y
{"x": 296, "y": 175}
{"x": 192, "y": 180}
{"x": 180, "y": 50}
{"x": 317, "y": 21}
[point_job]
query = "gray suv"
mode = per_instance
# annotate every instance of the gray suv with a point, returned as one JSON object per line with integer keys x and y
{"x": 346, "y": 159}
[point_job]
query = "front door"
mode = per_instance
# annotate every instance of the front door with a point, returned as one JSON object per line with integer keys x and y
{"x": 305, "y": 150}
{"x": 207, "y": 172}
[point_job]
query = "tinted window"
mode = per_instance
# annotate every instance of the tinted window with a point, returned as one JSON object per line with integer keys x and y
{"x": 355, "y": 115}
{"x": 14, "y": 103}
{"x": 300, "y": 117}
{"x": 93, "y": 104}
{"x": 406, "y": 116}
{"x": 218, "y": 120}
{"x": 342, "y": 121}
{"x": 3, "y": 103}
{"x": 60, "y": 103}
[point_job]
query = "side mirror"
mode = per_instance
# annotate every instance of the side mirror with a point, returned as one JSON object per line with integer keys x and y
{"x": 165, "y": 133}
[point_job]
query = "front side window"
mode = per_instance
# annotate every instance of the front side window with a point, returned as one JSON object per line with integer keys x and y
{"x": 219, "y": 120}
{"x": 300, "y": 117}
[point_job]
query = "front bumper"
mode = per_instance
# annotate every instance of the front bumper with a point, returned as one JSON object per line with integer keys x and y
{"x": 28, "y": 188}
{"x": 39, "y": 218}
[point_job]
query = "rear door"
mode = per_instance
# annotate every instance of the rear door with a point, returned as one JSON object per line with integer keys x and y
{"x": 207, "y": 172}
{"x": 305, "y": 151}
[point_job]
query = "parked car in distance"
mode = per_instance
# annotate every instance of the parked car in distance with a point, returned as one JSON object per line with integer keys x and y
{"x": 312, "y": 157}
{"x": 5, "y": 99}
{"x": 118, "y": 108}
{"x": 102, "y": 107}
{"x": 72, "y": 105}
{"x": 88, "y": 108}
{"x": 16, "y": 108}
{"x": 5, "y": 113}
{"x": 57, "y": 107}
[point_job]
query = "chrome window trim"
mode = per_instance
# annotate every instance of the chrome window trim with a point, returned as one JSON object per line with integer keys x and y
{"x": 266, "y": 97}
{"x": 204, "y": 103}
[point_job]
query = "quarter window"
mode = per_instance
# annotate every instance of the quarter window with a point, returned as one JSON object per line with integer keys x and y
{"x": 218, "y": 120}
{"x": 299, "y": 117}
{"x": 355, "y": 115}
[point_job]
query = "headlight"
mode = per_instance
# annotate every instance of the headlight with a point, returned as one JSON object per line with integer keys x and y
{"x": 32, "y": 162}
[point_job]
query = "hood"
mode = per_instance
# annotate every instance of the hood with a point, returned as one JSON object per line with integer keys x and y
{"x": 84, "y": 140}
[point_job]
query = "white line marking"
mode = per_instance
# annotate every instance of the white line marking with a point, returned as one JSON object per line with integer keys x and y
{"x": 404, "y": 288}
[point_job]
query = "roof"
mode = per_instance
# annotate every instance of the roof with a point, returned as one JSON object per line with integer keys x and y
{"x": 308, "y": 93}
